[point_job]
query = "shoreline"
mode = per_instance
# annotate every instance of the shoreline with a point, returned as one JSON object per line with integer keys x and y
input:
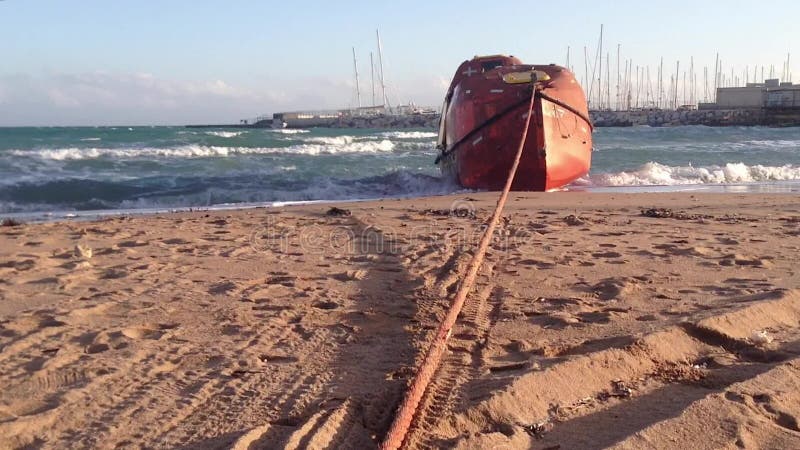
{"x": 755, "y": 188}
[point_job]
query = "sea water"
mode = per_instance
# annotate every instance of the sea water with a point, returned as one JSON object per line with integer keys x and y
{"x": 55, "y": 169}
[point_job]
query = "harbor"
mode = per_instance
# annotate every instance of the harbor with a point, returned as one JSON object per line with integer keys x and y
{"x": 772, "y": 102}
{"x": 707, "y": 115}
{"x": 631, "y": 95}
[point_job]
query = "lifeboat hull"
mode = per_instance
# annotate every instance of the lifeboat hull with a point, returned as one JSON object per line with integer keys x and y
{"x": 485, "y": 112}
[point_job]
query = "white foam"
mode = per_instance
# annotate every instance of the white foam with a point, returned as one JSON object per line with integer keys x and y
{"x": 654, "y": 173}
{"x": 393, "y": 184}
{"x": 203, "y": 151}
{"x": 331, "y": 140}
{"x": 410, "y": 134}
{"x": 225, "y": 134}
{"x": 350, "y": 147}
{"x": 90, "y": 139}
{"x": 774, "y": 143}
{"x": 287, "y": 130}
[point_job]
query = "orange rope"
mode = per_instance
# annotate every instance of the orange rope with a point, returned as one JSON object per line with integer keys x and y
{"x": 405, "y": 414}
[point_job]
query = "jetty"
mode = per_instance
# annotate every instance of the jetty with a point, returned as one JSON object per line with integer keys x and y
{"x": 258, "y": 122}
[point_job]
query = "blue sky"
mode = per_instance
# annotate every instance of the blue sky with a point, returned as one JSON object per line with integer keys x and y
{"x": 84, "y": 62}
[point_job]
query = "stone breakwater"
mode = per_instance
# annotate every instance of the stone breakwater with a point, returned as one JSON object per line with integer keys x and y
{"x": 665, "y": 118}
{"x": 653, "y": 118}
{"x": 387, "y": 121}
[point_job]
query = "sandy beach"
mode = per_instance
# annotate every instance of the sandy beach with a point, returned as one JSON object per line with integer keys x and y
{"x": 660, "y": 320}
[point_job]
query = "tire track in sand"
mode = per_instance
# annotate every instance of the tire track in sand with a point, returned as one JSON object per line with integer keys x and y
{"x": 460, "y": 365}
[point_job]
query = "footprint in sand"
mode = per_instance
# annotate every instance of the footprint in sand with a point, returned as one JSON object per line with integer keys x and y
{"x": 647, "y": 318}
{"x": 539, "y": 264}
{"x": 29, "y": 324}
{"x": 222, "y": 287}
{"x": 595, "y": 317}
{"x": 175, "y": 241}
{"x": 147, "y": 333}
{"x": 28, "y": 407}
{"x": 113, "y": 273}
{"x": 607, "y": 255}
{"x": 130, "y": 244}
{"x": 94, "y": 342}
{"x": 326, "y": 305}
{"x": 598, "y": 345}
{"x": 611, "y": 288}
{"x": 351, "y": 275}
{"x": 278, "y": 359}
{"x": 97, "y": 348}
{"x": 22, "y": 265}
{"x": 743, "y": 260}
{"x": 102, "y": 312}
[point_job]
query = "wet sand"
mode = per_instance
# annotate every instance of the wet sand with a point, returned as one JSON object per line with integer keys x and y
{"x": 664, "y": 320}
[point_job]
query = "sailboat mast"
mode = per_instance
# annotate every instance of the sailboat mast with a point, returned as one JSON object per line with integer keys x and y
{"x": 617, "y": 89}
{"x": 380, "y": 63}
{"x": 608, "y": 83}
{"x": 716, "y": 77}
{"x": 639, "y": 76}
{"x": 660, "y": 81}
{"x": 355, "y": 69}
{"x": 586, "y": 76}
{"x": 600, "y": 70}
{"x": 683, "y": 95}
{"x": 372, "y": 77}
{"x": 691, "y": 81}
{"x": 629, "y": 84}
{"x": 622, "y": 96}
{"x": 677, "y": 74}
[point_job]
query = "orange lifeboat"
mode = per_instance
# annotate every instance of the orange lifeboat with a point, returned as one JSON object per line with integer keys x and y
{"x": 485, "y": 111}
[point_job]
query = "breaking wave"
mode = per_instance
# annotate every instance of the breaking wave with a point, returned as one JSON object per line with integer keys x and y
{"x": 770, "y": 143}
{"x": 332, "y": 140}
{"x": 654, "y": 173}
{"x": 199, "y": 191}
{"x": 409, "y": 134}
{"x": 347, "y": 147}
{"x": 287, "y": 130}
{"x": 205, "y": 151}
{"x": 225, "y": 134}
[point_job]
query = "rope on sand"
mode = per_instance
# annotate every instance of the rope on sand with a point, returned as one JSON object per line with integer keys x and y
{"x": 407, "y": 410}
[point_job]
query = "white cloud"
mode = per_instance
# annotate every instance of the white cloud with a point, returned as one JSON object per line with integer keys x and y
{"x": 61, "y": 99}
{"x": 102, "y": 98}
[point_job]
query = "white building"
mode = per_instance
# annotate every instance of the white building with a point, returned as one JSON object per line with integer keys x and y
{"x": 769, "y": 94}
